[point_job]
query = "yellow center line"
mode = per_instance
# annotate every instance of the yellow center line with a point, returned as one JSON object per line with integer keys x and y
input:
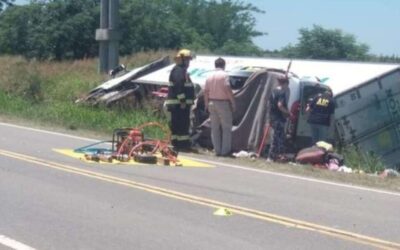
{"x": 286, "y": 221}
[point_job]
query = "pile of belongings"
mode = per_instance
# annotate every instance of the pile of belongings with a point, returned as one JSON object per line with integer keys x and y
{"x": 321, "y": 155}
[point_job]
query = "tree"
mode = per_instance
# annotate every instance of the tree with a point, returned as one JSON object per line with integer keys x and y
{"x": 64, "y": 29}
{"x": 199, "y": 24}
{"x": 331, "y": 44}
{"x": 53, "y": 29}
{"x": 14, "y": 31}
{"x": 5, "y": 3}
{"x": 386, "y": 59}
{"x": 234, "y": 48}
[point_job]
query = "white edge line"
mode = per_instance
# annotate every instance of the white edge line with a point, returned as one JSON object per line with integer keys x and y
{"x": 48, "y": 132}
{"x": 8, "y": 242}
{"x": 298, "y": 177}
{"x": 228, "y": 165}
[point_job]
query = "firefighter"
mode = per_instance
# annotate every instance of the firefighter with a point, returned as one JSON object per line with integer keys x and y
{"x": 179, "y": 101}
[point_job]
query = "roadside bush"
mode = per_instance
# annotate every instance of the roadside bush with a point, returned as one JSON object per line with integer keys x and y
{"x": 46, "y": 92}
{"x": 64, "y": 81}
{"x": 22, "y": 78}
{"x": 360, "y": 160}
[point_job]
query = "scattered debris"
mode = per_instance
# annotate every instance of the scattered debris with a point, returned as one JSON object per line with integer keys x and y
{"x": 389, "y": 173}
{"x": 245, "y": 154}
{"x": 345, "y": 169}
{"x": 121, "y": 87}
{"x": 223, "y": 212}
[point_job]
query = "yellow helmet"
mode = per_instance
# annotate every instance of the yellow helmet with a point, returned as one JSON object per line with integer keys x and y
{"x": 184, "y": 53}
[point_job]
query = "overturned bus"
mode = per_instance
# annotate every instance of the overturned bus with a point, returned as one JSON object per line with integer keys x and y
{"x": 367, "y": 97}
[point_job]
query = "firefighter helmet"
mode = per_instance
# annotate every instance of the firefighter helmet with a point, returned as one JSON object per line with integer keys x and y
{"x": 184, "y": 53}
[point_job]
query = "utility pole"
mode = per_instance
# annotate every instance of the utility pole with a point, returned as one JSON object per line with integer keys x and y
{"x": 108, "y": 35}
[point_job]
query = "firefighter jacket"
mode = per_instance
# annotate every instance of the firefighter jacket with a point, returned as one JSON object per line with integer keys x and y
{"x": 180, "y": 89}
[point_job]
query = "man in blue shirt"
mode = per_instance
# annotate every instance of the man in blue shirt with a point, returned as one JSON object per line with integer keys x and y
{"x": 277, "y": 118}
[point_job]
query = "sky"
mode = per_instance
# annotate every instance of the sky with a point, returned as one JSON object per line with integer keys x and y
{"x": 373, "y": 22}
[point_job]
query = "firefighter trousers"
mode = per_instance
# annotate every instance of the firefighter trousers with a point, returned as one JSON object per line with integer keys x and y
{"x": 180, "y": 124}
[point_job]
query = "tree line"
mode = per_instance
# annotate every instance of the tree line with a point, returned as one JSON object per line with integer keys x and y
{"x": 329, "y": 44}
{"x": 64, "y": 29}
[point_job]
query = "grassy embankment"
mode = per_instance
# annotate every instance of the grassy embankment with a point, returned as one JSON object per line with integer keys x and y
{"x": 45, "y": 93}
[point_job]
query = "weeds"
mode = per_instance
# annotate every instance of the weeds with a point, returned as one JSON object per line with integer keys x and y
{"x": 365, "y": 161}
{"x": 75, "y": 117}
{"x": 46, "y": 92}
{"x": 65, "y": 81}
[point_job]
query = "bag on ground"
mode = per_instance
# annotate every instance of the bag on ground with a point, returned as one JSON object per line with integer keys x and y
{"x": 311, "y": 155}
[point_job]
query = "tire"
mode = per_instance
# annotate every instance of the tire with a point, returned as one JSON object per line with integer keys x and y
{"x": 149, "y": 159}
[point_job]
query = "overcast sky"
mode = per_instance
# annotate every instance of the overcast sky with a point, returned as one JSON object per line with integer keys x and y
{"x": 374, "y": 22}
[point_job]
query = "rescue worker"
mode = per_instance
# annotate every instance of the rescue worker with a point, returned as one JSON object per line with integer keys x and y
{"x": 321, "y": 109}
{"x": 179, "y": 101}
{"x": 278, "y": 115}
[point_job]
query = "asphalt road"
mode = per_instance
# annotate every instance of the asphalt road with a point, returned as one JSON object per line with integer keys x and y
{"x": 51, "y": 201}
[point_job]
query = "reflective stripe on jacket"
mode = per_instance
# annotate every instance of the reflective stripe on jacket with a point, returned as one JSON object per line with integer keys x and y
{"x": 180, "y": 88}
{"x": 180, "y": 137}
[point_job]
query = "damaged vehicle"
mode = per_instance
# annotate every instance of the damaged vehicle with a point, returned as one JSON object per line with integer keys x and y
{"x": 367, "y": 97}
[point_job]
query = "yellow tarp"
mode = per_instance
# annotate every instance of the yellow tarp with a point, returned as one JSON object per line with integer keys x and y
{"x": 185, "y": 162}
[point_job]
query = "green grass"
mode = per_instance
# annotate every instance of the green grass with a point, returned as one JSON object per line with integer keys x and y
{"x": 59, "y": 81}
{"x": 72, "y": 116}
{"x": 358, "y": 160}
{"x": 45, "y": 92}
